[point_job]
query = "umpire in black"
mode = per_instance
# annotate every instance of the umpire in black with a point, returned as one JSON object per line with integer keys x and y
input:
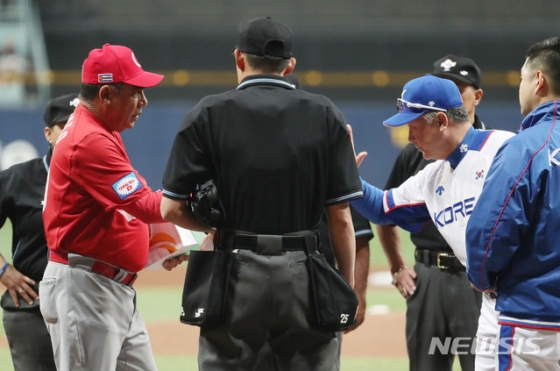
{"x": 22, "y": 190}
{"x": 279, "y": 156}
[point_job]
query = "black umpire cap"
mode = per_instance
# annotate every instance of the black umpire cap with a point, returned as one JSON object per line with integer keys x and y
{"x": 60, "y": 108}
{"x": 458, "y": 68}
{"x": 265, "y": 37}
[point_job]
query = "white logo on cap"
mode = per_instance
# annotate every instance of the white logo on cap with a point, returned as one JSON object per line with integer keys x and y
{"x": 464, "y": 73}
{"x": 447, "y": 65}
{"x": 74, "y": 102}
{"x": 135, "y": 60}
{"x": 431, "y": 103}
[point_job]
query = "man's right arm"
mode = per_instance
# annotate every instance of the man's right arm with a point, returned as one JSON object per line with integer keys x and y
{"x": 403, "y": 206}
{"x": 342, "y": 239}
{"x": 112, "y": 181}
{"x": 403, "y": 276}
{"x": 178, "y": 212}
{"x": 389, "y": 236}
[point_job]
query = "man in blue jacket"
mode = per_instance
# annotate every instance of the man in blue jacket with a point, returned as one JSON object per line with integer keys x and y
{"x": 513, "y": 244}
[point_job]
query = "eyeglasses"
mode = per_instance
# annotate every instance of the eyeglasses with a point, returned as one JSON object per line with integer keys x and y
{"x": 407, "y": 107}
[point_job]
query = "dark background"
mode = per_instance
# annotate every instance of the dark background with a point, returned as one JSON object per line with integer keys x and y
{"x": 346, "y": 42}
{"x": 404, "y": 36}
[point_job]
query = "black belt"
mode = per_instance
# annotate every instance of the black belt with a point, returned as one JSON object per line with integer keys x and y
{"x": 441, "y": 259}
{"x": 265, "y": 244}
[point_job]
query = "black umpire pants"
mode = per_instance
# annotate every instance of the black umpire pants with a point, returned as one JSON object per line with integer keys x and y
{"x": 29, "y": 340}
{"x": 267, "y": 305}
{"x": 443, "y": 307}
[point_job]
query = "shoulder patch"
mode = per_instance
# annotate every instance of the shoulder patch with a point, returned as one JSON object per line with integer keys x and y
{"x": 127, "y": 185}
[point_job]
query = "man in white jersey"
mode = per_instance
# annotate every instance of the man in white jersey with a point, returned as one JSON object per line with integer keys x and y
{"x": 445, "y": 191}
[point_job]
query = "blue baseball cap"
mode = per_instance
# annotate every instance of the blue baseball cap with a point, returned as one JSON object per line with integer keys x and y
{"x": 425, "y": 94}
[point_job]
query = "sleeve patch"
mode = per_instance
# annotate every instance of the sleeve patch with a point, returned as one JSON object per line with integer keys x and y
{"x": 127, "y": 185}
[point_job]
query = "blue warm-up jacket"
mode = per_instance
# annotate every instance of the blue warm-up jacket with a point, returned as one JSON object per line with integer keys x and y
{"x": 513, "y": 235}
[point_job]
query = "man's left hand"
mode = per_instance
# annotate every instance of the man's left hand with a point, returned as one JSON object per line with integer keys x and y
{"x": 169, "y": 264}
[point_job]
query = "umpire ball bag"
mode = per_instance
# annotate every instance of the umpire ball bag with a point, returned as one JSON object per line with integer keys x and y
{"x": 333, "y": 301}
{"x": 205, "y": 288}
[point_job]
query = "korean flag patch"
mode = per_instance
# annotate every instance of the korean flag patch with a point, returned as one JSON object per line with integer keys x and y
{"x": 127, "y": 185}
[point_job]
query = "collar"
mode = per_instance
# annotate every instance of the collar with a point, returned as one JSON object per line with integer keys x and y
{"x": 474, "y": 140}
{"x": 271, "y": 80}
{"x": 478, "y": 124}
{"x": 535, "y": 116}
{"x": 47, "y": 159}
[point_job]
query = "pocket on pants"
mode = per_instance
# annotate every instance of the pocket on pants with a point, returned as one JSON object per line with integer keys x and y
{"x": 48, "y": 300}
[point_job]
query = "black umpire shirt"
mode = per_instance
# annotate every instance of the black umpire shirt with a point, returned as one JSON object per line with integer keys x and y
{"x": 409, "y": 162}
{"x": 22, "y": 190}
{"x": 279, "y": 156}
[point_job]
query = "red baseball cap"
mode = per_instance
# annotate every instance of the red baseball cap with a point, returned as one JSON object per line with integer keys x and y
{"x": 115, "y": 63}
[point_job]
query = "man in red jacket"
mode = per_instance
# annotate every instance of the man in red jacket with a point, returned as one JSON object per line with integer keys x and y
{"x": 95, "y": 215}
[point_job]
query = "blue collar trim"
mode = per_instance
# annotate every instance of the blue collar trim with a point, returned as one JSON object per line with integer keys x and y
{"x": 474, "y": 140}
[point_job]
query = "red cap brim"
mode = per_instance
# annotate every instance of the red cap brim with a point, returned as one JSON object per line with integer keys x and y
{"x": 145, "y": 80}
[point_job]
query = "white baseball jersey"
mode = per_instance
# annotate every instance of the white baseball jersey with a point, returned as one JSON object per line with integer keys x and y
{"x": 447, "y": 190}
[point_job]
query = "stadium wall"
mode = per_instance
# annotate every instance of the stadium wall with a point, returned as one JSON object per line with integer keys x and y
{"x": 149, "y": 143}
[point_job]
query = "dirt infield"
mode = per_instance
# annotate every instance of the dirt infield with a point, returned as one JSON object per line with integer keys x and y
{"x": 379, "y": 336}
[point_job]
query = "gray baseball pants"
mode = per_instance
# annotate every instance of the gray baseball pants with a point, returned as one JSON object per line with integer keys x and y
{"x": 93, "y": 322}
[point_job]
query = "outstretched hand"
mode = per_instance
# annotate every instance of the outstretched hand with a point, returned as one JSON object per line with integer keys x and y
{"x": 172, "y": 263}
{"x": 360, "y": 156}
{"x": 206, "y": 245}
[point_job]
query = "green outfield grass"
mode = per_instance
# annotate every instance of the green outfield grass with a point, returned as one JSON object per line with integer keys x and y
{"x": 6, "y": 240}
{"x": 150, "y": 299}
{"x": 377, "y": 256}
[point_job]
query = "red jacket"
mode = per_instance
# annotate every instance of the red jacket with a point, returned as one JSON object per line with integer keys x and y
{"x": 97, "y": 205}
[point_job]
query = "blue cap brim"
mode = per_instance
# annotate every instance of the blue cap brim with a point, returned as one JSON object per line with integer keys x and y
{"x": 402, "y": 118}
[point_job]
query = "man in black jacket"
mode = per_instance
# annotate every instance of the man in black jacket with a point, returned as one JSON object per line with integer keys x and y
{"x": 22, "y": 189}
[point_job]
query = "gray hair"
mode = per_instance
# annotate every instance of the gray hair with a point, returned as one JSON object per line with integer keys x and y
{"x": 89, "y": 92}
{"x": 458, "y": 115}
